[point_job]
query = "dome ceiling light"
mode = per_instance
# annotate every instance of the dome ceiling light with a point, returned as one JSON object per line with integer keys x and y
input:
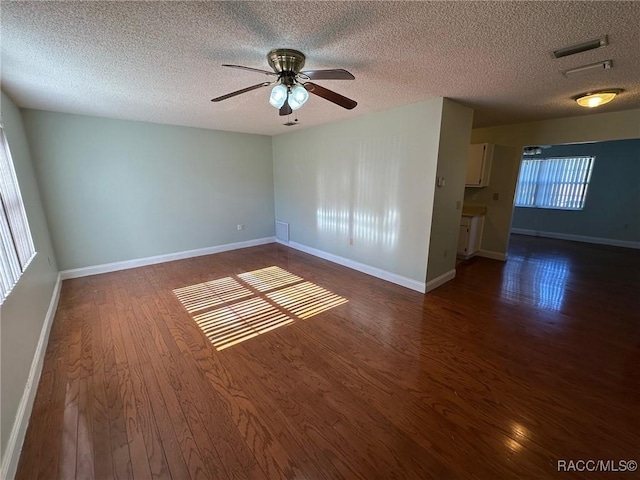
{"x": 595, "y": 99}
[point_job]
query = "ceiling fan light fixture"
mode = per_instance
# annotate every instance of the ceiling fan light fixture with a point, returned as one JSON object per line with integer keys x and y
{"x": 278, "y": 96}
{"x": 291, "y": 89}
{"x": 595, "y": 99}
{"x": 298, "y": 97}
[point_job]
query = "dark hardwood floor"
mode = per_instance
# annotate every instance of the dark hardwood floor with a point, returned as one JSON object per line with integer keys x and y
{"x": 499, "y": 373}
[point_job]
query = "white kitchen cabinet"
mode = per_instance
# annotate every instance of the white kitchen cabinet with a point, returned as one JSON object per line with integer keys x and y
{"x": 470, "y": 235}
{"x": 479, "y": 165}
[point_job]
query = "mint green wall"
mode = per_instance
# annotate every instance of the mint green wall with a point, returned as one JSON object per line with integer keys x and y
{"x": 370, "y": 179}
{"x": 119, "y": 190}
{"x": 23, "y": 312}
{"x": 612, "y": 207}
{"x": 453, "y": 152}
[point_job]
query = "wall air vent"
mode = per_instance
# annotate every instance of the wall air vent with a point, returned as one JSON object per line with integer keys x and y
{"x": 581, "y": 47}
{"x": 282, "y": 231}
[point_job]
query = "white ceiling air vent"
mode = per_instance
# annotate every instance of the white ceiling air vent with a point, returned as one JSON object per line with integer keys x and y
{"x": 581, "y": 47}
{"x": 604, "y": 65}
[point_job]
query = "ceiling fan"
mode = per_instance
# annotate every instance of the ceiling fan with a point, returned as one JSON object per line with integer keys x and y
{"x": 292, "y": 86}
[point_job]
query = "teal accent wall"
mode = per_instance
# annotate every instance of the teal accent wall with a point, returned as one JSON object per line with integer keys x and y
{"x": 612, "y": 208}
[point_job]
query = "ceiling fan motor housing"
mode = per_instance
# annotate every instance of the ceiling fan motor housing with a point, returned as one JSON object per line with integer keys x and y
{"x": 286, "y": 60}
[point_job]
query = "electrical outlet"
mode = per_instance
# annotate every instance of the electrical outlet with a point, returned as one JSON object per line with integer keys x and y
{"x": 351, "y": 241}
{"x": 496, "y": 196}
{"x": 240, "y": 226}
{"x": 458, "y": 205}
{"x": 445, "y": 254}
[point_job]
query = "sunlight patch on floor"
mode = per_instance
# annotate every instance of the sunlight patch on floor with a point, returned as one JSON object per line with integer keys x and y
{"x": 269, "y": 278}
{"x": 306, "y": 299}
{"x": 234, "y": 309}
{"x": 241, "y": 321}
{"x": 209, "y": 294}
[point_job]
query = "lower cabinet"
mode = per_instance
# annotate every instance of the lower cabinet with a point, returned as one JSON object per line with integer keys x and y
{"x": 470, "y": 235}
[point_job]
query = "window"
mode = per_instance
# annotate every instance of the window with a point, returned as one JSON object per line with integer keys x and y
{"x": 16, "y": 244}
{"x": 558, "y": 183}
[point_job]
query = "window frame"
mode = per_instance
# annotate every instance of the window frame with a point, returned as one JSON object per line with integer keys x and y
{"x": 17, "y": 249}
{"x": 550, "y": 188}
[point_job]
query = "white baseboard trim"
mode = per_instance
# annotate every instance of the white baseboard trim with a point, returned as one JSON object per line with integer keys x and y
{"x": 578, "y": 238}
{"x": 141, "y": 262}
{"x": 492, "y": 255}
{"x": 361, "y": 267}
{"x": 19, "y": 429}
{"x": 442, "y": 279}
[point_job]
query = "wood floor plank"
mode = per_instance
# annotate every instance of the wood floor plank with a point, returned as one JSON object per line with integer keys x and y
{"x": 190, "y": 341}
{"x": 159, "y": 412}
{"x": 120, "y": 454}
{"x": 144, "y": 415}
{"x": 201, "y": 460}
{"x": 103, "y": 461}
{"x": 222, "y": 433}
{"x": 85, "y": 451}
{"x": 148, "y": 460}
{"x": 243, "y": 414}
{"x": 181, "y": 378}
{"x": 500, "y": 373}
{"x": 68, "y": 454}
{"x": 49, "y": 400}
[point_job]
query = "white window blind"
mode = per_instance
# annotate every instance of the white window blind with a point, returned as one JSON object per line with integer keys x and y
{"x": 16, "y": 247}
{"x": 558, "y": 183}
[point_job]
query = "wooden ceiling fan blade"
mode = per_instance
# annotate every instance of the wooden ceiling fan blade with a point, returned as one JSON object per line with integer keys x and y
{"x": 238, "y": 92}
{"x": 330, "y": 95}
{"x": 333, "y": 74}
{"x": 241, "y": 67}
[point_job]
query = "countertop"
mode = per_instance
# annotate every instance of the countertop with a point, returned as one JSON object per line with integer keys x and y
{"x": 473, "y": 210}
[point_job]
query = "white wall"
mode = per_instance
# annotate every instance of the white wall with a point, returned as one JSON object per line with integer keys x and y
{"x": 596, "y": 127}
{"x": 23, "y": 313}
{"x": 453, "y": 152}
{"x": 369, "y": 179}
{"x": 119, "y": 190}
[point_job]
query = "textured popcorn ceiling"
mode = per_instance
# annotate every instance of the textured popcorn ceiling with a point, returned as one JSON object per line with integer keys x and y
{"x": 161, "y": 61}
